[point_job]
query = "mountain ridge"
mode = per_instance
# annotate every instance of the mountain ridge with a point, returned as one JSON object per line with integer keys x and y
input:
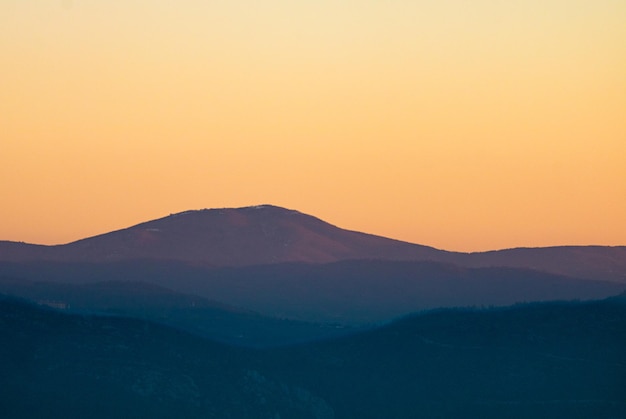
{"x": 268, "y": 234}
{"x": 345, "y": 292}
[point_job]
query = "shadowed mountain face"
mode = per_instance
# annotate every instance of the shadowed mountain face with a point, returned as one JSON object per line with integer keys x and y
{"x": 269, "y": 235}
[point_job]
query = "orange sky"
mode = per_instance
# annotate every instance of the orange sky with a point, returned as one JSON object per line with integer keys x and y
{"x": 461, "y": 125}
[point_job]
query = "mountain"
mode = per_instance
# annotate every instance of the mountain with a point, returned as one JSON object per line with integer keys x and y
{"x": 268, "y": 234}
{"x": 226, "y": 237}
{"x": 528, "y": 361}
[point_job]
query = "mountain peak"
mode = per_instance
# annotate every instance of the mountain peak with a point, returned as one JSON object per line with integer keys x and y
{"x": 211, "y": 219}
{"x": 266, "y": 209}
{"x": 244, "y": 208}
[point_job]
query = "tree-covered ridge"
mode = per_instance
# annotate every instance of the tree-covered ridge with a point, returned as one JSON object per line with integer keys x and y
{"x": 535, "y": 360}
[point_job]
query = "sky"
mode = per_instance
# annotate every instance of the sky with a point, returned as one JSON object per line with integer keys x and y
{"x": 461, "y": 125}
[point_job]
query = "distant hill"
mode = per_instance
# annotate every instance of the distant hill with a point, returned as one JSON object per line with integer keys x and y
{"x": 531, "y": 361}
{"x": 267, "y": 234}
{"x": 586, "y": 262}
{"x": 194, "y": 314}
{"x": 345, "y": 292}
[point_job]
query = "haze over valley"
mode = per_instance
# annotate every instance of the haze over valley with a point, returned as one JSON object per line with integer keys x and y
{"x": 208, "y": 289}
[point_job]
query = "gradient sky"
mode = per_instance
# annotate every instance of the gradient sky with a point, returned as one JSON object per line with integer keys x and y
{"x": 464, "y": 125}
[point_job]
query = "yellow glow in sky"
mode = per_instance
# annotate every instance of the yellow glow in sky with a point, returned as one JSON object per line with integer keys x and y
{"x": 461, "y": 125}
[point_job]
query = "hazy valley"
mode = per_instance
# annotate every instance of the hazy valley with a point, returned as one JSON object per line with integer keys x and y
{"x": 268, "y": 312}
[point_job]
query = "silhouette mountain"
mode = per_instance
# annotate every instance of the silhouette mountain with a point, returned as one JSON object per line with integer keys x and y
{"x": 267, "y": 234}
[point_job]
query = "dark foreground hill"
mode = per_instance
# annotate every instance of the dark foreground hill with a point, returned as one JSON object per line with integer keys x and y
{"x": 266, "y": 234}
{"x": 533, "y": 361}
{"x": 56, "y": 365}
